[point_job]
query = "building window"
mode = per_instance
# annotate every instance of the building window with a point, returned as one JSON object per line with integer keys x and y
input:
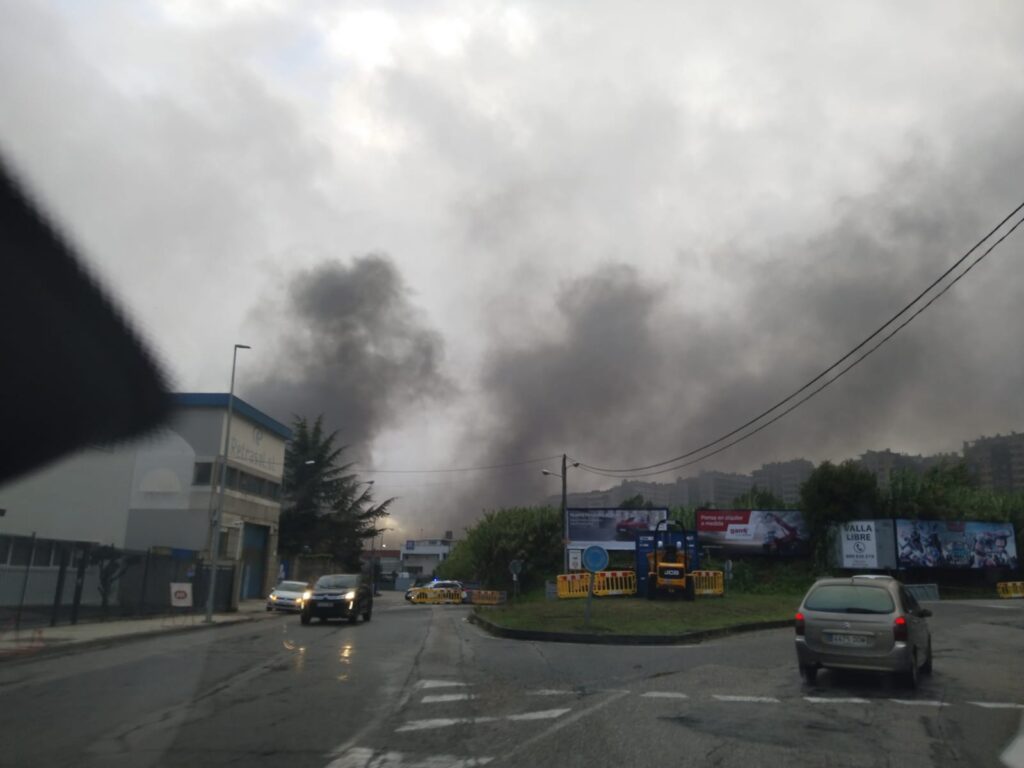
{"x": 250, "y": 484}
{"x": 5, "y": 549}
{"x": 222, "y": 543}
{"x": 42, "y": 554}
{"x": 21, "y": 551}
{"x": 202, "y": 472}
{"x": 232, "y": 478}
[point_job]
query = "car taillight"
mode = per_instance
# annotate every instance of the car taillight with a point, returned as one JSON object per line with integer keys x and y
{"x": 799, "y": 624}
{"x": 899, "y": 630}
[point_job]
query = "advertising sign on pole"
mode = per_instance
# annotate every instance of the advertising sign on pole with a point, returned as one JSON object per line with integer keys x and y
{"x": 181, "y": 594}
{"x": 754, "y": 532}
{"x": 610, "y": 528}
{"x": 575, "y": 560}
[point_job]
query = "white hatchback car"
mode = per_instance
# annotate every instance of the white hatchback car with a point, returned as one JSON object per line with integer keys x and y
{"x": 287, "y": 596}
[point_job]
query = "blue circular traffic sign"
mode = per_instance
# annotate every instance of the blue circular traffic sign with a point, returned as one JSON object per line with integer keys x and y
{"x": 595, "y": 558}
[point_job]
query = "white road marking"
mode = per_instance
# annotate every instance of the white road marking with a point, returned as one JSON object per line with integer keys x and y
{"x": 445, "y": 722}
{"x": 749, "y": 699}
{"x": 545, "y": 714}
{"x": 836, "y": 700}
{"x": 562, "y": 723}
{"x": 360, "y": 757}
{"x": 996, "y": 704}
{"x": 443, "y": 697}
{"x": 441, "y": 722}
{"x": 439, "y": 684}
{"x": 663, "y": 695}
{"x": 550, "y": 692}
{"x": 919, "y": 702}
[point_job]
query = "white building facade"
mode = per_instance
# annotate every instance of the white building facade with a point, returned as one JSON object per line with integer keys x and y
{"x": 158, "y": 492}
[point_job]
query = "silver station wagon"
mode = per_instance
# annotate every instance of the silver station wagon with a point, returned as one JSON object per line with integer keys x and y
{"x": 863, "y": 622}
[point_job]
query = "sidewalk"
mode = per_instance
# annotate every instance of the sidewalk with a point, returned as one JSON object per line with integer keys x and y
{"x": 34, "y": 641}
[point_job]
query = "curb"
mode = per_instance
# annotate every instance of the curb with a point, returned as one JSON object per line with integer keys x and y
{"x": 590, "y": 639}
{"x": 52, "y": 651}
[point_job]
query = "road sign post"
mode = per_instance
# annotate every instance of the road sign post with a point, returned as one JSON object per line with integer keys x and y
{"x": 515, "y": 567}
{"x": 595, "y": 559}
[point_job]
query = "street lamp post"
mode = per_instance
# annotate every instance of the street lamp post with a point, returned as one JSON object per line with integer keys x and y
{"x": 565, "y": 521}
{"x": 380, "y": 560}
{"x": 218, "y": 512}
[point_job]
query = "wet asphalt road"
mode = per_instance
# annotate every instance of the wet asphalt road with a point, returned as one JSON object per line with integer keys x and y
{"x": 419, "y": 686}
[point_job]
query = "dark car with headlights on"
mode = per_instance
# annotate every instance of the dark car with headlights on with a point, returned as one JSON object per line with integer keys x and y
{"x": 863, "y": 622}
{"x": 338, "y": 596}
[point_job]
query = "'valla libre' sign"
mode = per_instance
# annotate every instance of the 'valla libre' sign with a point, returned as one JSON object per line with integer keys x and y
{"x": 860, "y": 544}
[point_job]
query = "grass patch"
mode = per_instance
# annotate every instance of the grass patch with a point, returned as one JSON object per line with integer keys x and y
{"x": 636, "y": 616}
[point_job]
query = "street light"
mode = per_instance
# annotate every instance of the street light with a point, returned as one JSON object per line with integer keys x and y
{"x": 565, "y": 522}
{"x": 219, "y": 509}
{"x": 380, "y": 560}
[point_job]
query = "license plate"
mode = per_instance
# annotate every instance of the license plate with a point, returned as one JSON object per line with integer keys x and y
{"x": 855, "y": 641}
{"x": 325, "y": 605}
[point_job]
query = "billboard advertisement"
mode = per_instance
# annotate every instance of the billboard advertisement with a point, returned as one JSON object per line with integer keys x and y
{"x": 955, "y": 544}
{"x": 860, "y": 547}
{"x": 753, "y": 531}
{"x": 865, "y": 545}
{"x": 610, "y": 528}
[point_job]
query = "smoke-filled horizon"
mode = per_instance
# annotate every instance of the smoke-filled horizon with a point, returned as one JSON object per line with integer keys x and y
{"x": 473, "y": 234}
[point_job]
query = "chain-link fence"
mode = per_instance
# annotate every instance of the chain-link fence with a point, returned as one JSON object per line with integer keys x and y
{"x": 45, "y": 582}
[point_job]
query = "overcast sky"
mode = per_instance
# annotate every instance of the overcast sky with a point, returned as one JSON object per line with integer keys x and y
{"x": 482, "y": 232}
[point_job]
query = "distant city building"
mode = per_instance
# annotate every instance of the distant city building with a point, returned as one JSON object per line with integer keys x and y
{"x": 783, "y": 478}
{"x": 421, "y": 557}
{"x": 674, "y": 494}
{"x": 883, "y": 464}
{"x": 709, "y": 487}
{"x": 717, "y": 488}
{"x": 997, "y": 462}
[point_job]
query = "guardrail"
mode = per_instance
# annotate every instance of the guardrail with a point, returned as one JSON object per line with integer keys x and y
{"x": 1010, "y": 589}
{"x": 923, "y": 591}
{"x": 431, "y": 596}
{"x": 608, "y": 583}
{"x": 707, "y": 582}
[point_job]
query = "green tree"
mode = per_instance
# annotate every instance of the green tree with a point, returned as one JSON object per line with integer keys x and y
{"x": 530, "y": 534}
{"x": 326, "y": 508}
{"x": 637, "y": 502}
{"x": 760, "y": 498}
{"x": 833, "y": 494}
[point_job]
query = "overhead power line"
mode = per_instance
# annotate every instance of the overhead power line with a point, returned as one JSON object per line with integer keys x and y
{"x": 455, "y": 469}
{"x": 644, "y": 471}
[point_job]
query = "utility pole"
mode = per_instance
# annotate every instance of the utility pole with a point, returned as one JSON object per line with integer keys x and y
{"x": 565, "y": 520}
{"x": 219, "y": 509}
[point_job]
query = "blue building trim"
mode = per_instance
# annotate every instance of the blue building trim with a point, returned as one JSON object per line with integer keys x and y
{"x": 220, "y": 400}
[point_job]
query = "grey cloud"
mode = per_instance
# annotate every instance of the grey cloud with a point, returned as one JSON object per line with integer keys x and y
{"x": 639, "y": 376}
{"x": 354, "y": 348}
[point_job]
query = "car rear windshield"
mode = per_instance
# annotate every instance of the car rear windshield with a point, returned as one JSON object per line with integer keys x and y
{"x": 292, "y": 586}
{"x": 339, "y": 581}
{"x": 849, "y": 598}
